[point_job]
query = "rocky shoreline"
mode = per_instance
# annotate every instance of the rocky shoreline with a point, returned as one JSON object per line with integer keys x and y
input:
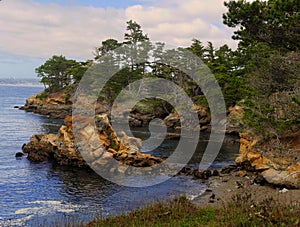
{"x": 54, "y": 105}
{"x": 276, "y": 168}
{"x": 226, "y": 187}
{"x": 59, "y": 105}
{"x": 282, "y": 170}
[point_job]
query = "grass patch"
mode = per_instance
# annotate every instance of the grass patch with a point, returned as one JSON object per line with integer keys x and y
{"x": 43, "y": 95}
{"x": 241, "y": 211}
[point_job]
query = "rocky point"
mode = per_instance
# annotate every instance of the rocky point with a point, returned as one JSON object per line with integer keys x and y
{"x": 102, "y": 144}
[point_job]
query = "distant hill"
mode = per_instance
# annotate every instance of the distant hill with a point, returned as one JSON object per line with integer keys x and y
{"x": 20, "y": 82}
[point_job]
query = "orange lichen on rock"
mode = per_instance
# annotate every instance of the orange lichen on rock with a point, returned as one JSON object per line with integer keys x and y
{"x": 272, "y": 166}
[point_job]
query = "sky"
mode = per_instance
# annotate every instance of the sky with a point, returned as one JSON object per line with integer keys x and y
{"x": 32, "y": 31}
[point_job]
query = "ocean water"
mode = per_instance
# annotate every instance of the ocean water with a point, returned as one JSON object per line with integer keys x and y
{"x": 43, "y": 194}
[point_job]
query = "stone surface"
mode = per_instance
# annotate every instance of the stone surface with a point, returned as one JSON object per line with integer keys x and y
{"x": 173, "y": 120}
{"x": 59, "y": 105}
{"x": 55, "y": 105}
{"x": 275, "y": 169}
{"x": 99, "y": 146}
{"x": 289, "y": 177}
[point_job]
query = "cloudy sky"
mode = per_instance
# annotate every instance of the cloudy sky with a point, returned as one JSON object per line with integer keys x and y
{"x": 32, "y": 31}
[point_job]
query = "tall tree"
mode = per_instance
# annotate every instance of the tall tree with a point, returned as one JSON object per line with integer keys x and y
{"x": 106, "y": 47}
{"x": 138, "y": 45}
{"x": 209, "y": 55}
{"x": 275, "y": 22}
{"x": 197, "y": 48}
{"x": 134, "y": 33}
{"x": 58, "y": 72}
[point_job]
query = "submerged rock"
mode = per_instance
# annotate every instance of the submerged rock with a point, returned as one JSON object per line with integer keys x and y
{"x": 19, "y": 154}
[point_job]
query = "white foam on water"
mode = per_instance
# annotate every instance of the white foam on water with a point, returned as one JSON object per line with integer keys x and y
{"x": 48, "y": 202}
{"x": 40, "y": 208}
{"x": 47, "y": 206}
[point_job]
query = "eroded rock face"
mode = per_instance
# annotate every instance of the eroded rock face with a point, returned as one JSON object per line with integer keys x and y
{"x": 58, "y": 147}
{"x": 59, "y": 105}
{"x": 278, "y": 168}
{"x": 97, "y": 147}
{"x": 55, "y": 105}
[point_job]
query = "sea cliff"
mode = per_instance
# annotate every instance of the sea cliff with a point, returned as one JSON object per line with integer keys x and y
{"x": 54, "y": 105}
{"x": 279, "y": 167}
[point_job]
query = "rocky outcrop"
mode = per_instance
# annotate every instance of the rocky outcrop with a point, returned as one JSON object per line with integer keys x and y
{"x": 278, "y": 167}
{"x": 173, "y": 119}
{"x": 54, "y": 147}
{"x": 59, "y": 105}
{"x": 101, "y": 142}
{"x": 53, "y": 105}
{"x": 234, "y": 119}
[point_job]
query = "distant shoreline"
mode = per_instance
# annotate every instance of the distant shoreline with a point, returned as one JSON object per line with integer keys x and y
{"x": 22, "y": 82}
{"x": 22, "y": 85}
{"x": 13, "y": 80}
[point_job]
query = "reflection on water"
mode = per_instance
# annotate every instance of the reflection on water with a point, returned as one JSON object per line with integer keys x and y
{"x": 226, "y": 155}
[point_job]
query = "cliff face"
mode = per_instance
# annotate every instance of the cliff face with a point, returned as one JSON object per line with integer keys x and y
{"x": 62, "y": 148}
{"x": 54, "y": 105}
{"x": 279, "y": 167}
{"x": 59, "y": 105}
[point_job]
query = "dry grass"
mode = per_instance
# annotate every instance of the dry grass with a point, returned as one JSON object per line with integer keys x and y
{"x": 241, "y": 211}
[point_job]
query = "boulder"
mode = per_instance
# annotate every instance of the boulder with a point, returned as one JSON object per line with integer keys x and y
{"x": 172, "y": 120}
{"x": 287, "y": 178}
{"x": 19, "y": 154}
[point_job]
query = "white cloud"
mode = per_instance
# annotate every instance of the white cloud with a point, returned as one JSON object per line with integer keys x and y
{"x": 41, "y": 30}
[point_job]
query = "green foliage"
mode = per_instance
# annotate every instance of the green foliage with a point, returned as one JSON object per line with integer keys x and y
{"x": 275, "y": 81}
{"x": 268, "y": 56}
{"x": 262, "y": 74}
{"x": 59, "y": 72}
{"x": 278, "y": 73}
{"x": 296, "y": 100}
{"x": 135, "y": 33}
{"x": 43, "y": 95}
{"x": 197, "y": 48}
{"x": 222, "y": 62}
{"x": 157, "y": 107}
{"x": 106, "y": 47}
{"x": 275, "y": 22}
{"x": 119, "y": 81}
{"x": 225, "y": 65}
{"x": 200, "y": 100}
{"x": 272, "y": 115}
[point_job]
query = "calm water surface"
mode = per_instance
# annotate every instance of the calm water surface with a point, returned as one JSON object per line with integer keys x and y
{"x": 40, "y": 194}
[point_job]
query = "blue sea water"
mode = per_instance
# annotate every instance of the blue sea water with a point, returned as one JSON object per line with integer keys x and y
{"x": 43, "y": 194}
